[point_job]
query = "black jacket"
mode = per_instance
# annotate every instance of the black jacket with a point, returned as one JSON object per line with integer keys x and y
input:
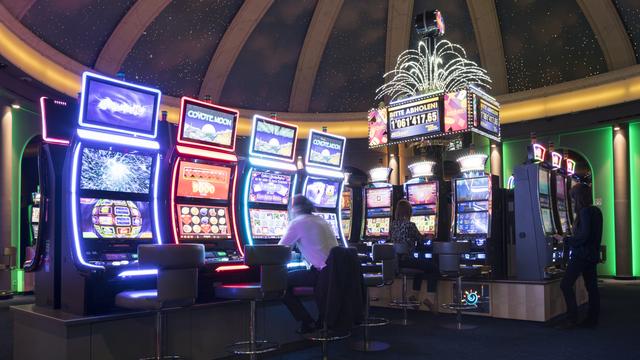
{"x": 584, "y": 244}
{"x": 340, "y": 290}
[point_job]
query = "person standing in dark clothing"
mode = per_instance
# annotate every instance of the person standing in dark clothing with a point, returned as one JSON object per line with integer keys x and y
{"x": 584, "y": 255}
{"x": 406, "y": 239}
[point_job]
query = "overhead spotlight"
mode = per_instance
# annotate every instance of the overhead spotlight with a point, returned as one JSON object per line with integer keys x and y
{"x": 15, "y": 106}
{"x": 616, "y": 127}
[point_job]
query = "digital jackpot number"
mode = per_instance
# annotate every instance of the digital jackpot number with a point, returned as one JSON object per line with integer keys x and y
{"x": 419, "y": 119}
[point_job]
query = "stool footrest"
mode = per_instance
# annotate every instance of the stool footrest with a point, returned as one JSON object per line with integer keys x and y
{"x": 327, "y": 335}
{"x": 375, "y": 321}
{"x": 369, "y": 346}
{"x": 249, "y": 348}
{"x": 407, "y": 304}
{"x": 461, "y": 307}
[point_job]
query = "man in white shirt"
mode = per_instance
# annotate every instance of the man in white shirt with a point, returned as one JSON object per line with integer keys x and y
{"x": 315, "y": 239}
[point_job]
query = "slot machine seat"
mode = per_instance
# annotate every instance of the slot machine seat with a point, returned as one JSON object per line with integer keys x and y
{"x": 177, "y": 282}
{"x": 385, "y": 254}
{"x": 272, "y": 260}
{"x": 405, "y": 303}
{"x": 449, "y": 254}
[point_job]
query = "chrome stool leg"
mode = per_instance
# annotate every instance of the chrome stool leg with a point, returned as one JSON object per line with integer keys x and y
{"x": 459, "y": 307}
{"x": 158, "y": 343}
{"x": 252, "y": 347}
{"x": 366, "y": 344}
{"x": 405, "y": 304}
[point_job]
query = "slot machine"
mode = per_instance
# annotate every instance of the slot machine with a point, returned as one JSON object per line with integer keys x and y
{"x": 476, "y": 220}
{"x": 322, "y": 179}
{"x": 351, "y": 209}
{"x": 110, "y": 194}
{"x": 204, "y": 172}
{"x": 57, "y": 130}
{"x": 559, "y": 198}
{"x": 270, "y": 175}
{"x": 538, "y": 255}
{"x": 378, "y": 202}
{"x": 422, "y": 192}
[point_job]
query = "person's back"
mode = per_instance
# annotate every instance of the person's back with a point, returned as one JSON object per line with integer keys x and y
{"x": 585, "y": 242}
{"x": 313, "y": 236}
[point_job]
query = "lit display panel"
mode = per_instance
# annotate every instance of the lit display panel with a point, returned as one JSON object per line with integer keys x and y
{"x": 203, "y": 181}
{"x": 472, "y": 223}
{"x": 274, "y": 139}
{"x": 472, "y": 189}
{"x": 422, "y": 194}
{"x": 203, "y": 222}
{"x": 426, "y": 224}
{"x": 268, "y": 223}
{"x": 323, "y": 193}
{"x": 115, "y": 219}
{"x": 107, "y": 170}
{"x": 208, "y": 125}
{"x": 378, "y": 197}
{"x": 269, "y": 188}
{"x": 332, "y": 219}
{"x": 377, "y": 227}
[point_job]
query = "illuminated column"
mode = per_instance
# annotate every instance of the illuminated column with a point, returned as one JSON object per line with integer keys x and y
{"x": 496, "y": 160}
{"x": 394, "y": 164}
{"x": 5, "y": 186}
{"x": 622, "y": 201}
{"x": 404, "y": 160}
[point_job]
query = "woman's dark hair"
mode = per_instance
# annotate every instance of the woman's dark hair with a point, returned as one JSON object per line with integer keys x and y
{"x": 582, "y": 197}
{"x": 403, "y": 210}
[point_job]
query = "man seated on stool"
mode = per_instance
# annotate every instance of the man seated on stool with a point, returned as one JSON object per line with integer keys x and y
{"x": 315, "y": 239}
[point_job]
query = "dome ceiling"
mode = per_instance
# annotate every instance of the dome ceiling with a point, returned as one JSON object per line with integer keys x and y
{"x": 270, "y": 47}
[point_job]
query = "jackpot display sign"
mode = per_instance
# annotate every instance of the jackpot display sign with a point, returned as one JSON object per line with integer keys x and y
{"x": 274, "y": 139}
{"x": 208, "y": 125}
{"x": 415, "y": 119}
{"x": 455, "y": 111}
{"x": 269, "y": 188}
{"x": 325, "y": 149}
{"x": 203, "y": 222}
{"x": 203, "y": 181}
{"x": 118, "y": 105}
{"x": 487, "y": 116}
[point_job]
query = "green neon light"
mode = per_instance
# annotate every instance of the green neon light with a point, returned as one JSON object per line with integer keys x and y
{"x": 634, "y": 173}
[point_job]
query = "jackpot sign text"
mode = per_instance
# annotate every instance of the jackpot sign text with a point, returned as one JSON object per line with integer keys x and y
{"x": 414, "y": 119}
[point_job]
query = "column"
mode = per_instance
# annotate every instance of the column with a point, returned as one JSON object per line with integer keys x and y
{"x": 622, "y": 201}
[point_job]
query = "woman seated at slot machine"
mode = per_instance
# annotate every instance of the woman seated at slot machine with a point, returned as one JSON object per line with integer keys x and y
{"x": 407, "y": 239}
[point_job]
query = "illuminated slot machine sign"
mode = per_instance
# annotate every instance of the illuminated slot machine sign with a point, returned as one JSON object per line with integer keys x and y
{"x": 424, "y": 199}
{"x": 273, "y": 139}
{"x": 378, "y": 203}
{"x": 209, "y": 126}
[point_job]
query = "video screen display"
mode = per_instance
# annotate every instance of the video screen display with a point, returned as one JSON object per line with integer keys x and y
{"x": 208, "y": 124}
{"x": 377, "y": 120}
{"x": 488, "y": 117}
{"x": 203, "y": 222}
{"x": 547, "y": 221}
{"x": 346, "y": 228}
{"x": 422, "y": 194}
{"x": 561, "y": 190}
{"x": 323, "y": 193}
{"x": 564, "y": 221}
{"x": 267, "y": 224}
{"x": 472, "y": 189}
{"x": 273, "y": 138}
{"x": 35, "y": 214}
{"x": 543, "y": 181}
{"x": 472, "y": 223}
{"x": 203, "y": 181}
{"x": 377, "y": 227}
{"x": 415, "y": 119}
{"x": 119, "y": 105}
{"x": 378, "y": 197}
{"x": 426, "y": 224}
{"x": 115, "y": 219}
{"x": 108, "y": 170}
{"x": 332, "y": 219}
{"x": 269, "y": 188}
{"x": 325, "y": 149}
{"x": 345, "y": 204}
{"x": 455, "y": 111}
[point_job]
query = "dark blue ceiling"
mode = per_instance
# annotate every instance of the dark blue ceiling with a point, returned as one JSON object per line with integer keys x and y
{"x": 629, "y": 11}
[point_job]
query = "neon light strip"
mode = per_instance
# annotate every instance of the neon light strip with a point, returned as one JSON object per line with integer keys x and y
{"x": 284, "y": 124}
{"x": 233, "y": 213}
{"x": 245, "y": 204}
{"x": 205, "y": 154}
{"x": 140, "y": 272}
{"x": 174, "y": 220}
{"x": 155, "y": 200}
{"x": 117, "y": 139}
{"x": 211, "y": 107}
{"x": 339, "y": 210}
{"x": 43, "y": 116}
{"x": 430, "y": 94}
{"x": 272, "y": 164}
{"x": 87, "y": 74}
{"x": 296, "y": 264}
{"x": 325, "y": 172}
{"x": 538, "y": 152}
{"x": 310, "y": 137}
{"x": 74, "y": 209}
{"x": 231, "y": 268}
{"x": 556, "y": 160}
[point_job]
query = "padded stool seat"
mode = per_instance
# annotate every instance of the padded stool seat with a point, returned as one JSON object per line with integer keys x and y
{"x": 373, "y": 280}
{"x": 248, "y": 291}
{"x": 470, "y": 271}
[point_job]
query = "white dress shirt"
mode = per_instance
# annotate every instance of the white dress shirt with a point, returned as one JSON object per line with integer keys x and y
{"x": 314, "y": 238}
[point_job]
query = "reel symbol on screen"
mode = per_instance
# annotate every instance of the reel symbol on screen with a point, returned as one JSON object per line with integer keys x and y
{"x": 470, "y": 297}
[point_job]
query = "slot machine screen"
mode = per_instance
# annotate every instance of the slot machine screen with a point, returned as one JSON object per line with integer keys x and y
{"x": 323, "y": 193}
{"x": 426, "y": 224}
{"x": 274, "y": 139}
{"x": 203, "y": 181}
{"x": 107, "y": 170}
{"x": 377, "y": 227}
{"x": 332, "y": 219}
{"x": 422, "y": 194}
{"x": 346, "y": 228}
{"x": 378, "y": 197}
{"x": 115, "y": 219}
{"x": 325, "y": 149}
{"x": 35, "y": 214}
{"x": 472, "y": 223}
{"x": 345, "y": 204}
{"x": 543, "y": 181}
{"x": 269, "y": 188}
{"x": 267, "y": 223}
{"x": 547, "y": 222}
{"x": 208, "y": 124}
{"x": 472, "y": 189}
{"x": 203, "y": 222}
{"x": 560, "y": 188}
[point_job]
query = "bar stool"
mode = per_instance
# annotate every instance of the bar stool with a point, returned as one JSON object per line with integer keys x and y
{"x": 385, "y": 254}
{"x": 405, "y": 304}
{"x": 177, "y": 284}
{"x": 272, "y": 260}
{"x": 449, "y": 254}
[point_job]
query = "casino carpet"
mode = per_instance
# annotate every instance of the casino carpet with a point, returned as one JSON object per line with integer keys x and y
{"x": 617, "y": 337}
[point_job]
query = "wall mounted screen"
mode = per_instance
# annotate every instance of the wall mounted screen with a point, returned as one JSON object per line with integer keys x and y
{"x": 203, "y": 222}
{"x": 203, "y": 181}
{"x": 269, "y": 188}
{"x": 208, "y": 124}
{"x": 325, "y": 149}
{"x": 119, "y": 106}
{"x": 274, "y": 139}
{"x": 267, "y": 224}
{"x": 323, "y": 193}
{"x": 115, "y": 219}
{"x": 107, "y": 170}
